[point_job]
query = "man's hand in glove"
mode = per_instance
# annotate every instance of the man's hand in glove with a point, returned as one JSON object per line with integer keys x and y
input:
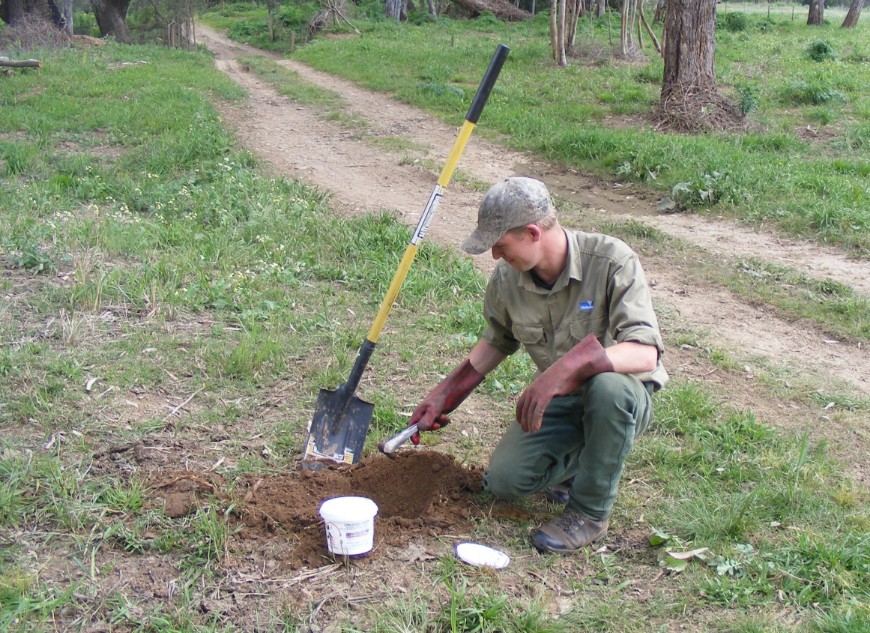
{"x": 565, "y": 376}
{"x": 431, "y": 413}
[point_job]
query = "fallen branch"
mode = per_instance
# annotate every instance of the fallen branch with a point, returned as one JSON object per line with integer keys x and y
{"x": 20, "y": 63}
{"x": 334, "y": 7}
{"x": 649, "y": 30}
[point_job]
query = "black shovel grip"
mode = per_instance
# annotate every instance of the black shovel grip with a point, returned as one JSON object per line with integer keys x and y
{"x": 487, "y": 83}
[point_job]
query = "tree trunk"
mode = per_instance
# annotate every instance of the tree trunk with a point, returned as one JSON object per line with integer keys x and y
{"x": 689, "y": 99}
{"x": 661, "y": 11}
{"x": 816, "y": 16}
{"x": 627, "y": 17}
{"x": 574, "y": 16}
{"x": 112, "y": 18}
{"x": 554, "y": 31}
{"x": 854, "y": 13}
{"x": 600, "y": 8}
{"x": 396, "y": 10}
{"x": 68, "y": 16}
{"x": 14, "y": 12}
{"x": 689, "y": 44}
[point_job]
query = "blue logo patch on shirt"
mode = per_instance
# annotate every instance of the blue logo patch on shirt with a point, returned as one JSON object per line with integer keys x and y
{"x": 585, "y": 306}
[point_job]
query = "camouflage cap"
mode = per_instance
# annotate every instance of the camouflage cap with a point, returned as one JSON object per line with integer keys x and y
{"x": 509, "y": 204}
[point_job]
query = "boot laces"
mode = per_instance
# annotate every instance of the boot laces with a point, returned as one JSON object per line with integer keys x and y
{"x": 570, "y": 521}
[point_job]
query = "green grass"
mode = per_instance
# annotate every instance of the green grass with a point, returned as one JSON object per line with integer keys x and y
{"x": 151, "y": 263}
{"x": 816, "y": 187}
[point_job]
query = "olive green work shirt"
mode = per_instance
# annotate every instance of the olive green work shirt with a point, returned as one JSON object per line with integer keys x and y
{"x": 601, "y": 291}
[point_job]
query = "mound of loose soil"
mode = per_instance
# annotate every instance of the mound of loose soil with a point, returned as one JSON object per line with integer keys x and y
{"x": 416, "y": 492}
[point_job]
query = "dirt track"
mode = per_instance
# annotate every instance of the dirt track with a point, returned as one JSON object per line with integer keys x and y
{"x": 296, "y": 142}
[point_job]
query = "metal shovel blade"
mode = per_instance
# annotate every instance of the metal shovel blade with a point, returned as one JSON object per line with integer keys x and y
{"x": 338, "y": 428}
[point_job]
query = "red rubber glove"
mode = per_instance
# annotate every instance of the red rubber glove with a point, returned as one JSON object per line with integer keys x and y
{"x": 431, "y": 413}
{"x": 565, "y": 376}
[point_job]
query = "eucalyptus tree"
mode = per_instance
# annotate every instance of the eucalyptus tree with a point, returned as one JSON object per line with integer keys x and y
{"x": 854, "y": 13}
{"x": 689, "y": 97}
{"x": 111, "y": 18}
{"x": 816, "y": 16}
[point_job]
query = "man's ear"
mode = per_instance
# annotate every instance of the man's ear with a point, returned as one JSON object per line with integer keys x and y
{"x": 535, "y": 232}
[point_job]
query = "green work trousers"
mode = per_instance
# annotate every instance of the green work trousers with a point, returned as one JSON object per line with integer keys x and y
{"x": 585, "y": 436}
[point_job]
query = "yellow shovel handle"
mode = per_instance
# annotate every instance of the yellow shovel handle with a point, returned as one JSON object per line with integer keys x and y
{"x": 471, "y": 118}
{"x": 419, "y": 233}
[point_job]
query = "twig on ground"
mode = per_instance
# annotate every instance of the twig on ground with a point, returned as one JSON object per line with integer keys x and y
{"x": 179, "y": 407}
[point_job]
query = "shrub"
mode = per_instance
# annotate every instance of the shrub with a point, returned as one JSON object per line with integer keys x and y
{"x": 420, "y": 17}
{"x": 821, "y": 51}
{"x": 296, "y": 16}
{"x": 246, "y": 29}
{"x": 84, "y": 23}
{"x": 234, "y": 9}
{"x": 734, "y": 21}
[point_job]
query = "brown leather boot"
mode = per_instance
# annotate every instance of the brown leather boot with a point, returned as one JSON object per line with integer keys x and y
{"x": 568, "y": 533}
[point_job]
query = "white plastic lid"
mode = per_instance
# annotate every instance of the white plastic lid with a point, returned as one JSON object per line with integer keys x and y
{"x": 481, "y": 555}
{"x": 346, "y": 509}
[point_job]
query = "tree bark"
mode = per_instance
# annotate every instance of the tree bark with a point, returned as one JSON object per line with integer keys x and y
{"x": 661, "y": 11}
{"x": 854, "y": 13}
{"x": 112, "y": 18}
{"x": 68, "y": 16}
{"x": 816, "y": 15}
{"x": 600, "y": 8}
{"x": 690, "y": 30}
{"x": 14, "y": 12}
{"x": 628, "y": 16}
{"x": 574, "y": 15}
{"x": 689, "y": 98}
{"x": 396, "y": 10}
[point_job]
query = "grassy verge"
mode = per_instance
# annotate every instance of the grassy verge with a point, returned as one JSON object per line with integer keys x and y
{"x": 149, "y": 265}
{"x": 801, "y": 167}
{"x": 828, "y": 304}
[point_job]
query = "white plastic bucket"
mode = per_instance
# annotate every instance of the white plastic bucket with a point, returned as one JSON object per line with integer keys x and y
{"x": 350, "y": 524}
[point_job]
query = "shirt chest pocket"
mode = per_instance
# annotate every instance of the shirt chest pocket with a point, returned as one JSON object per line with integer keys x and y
{"x": 529, "y": 335}
{"x": 582, "y": 326}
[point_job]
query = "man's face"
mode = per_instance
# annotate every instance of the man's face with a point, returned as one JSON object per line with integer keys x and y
{"x": 517, "y": 249}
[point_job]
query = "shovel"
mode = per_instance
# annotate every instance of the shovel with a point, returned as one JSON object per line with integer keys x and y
{"x": 341, "y": 419}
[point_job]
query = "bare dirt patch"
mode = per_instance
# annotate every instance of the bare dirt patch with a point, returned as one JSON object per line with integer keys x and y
{"x": 420, "y": 493}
